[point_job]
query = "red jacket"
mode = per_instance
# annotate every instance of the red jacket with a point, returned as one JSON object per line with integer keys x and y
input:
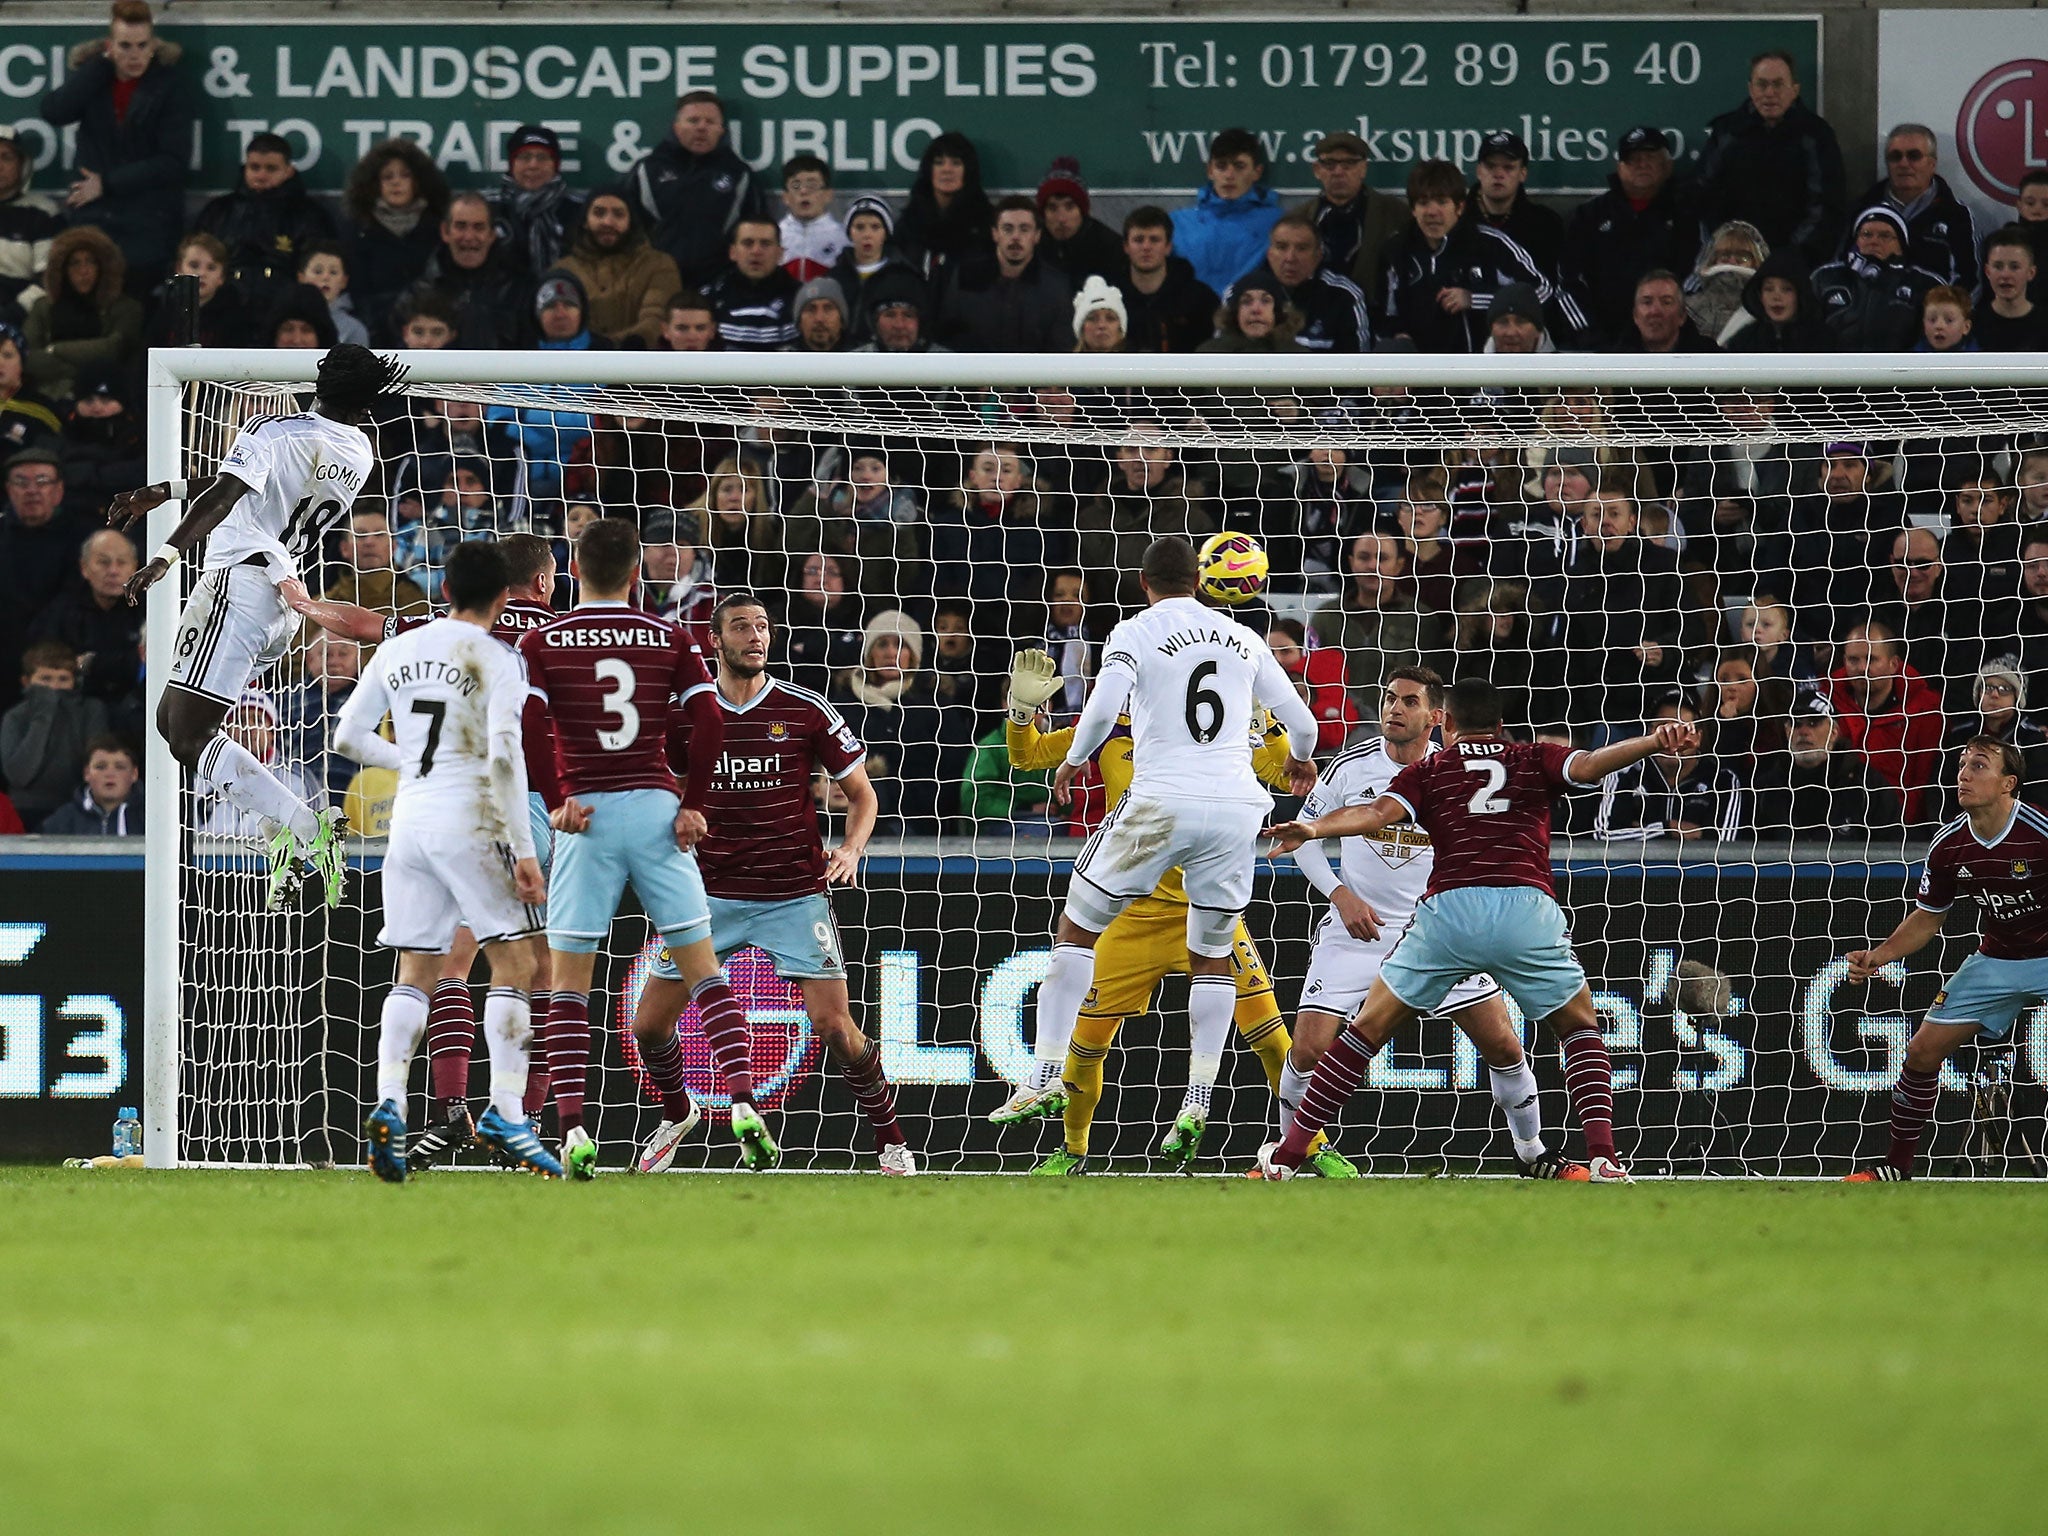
{"x": 1902, "y": 739}
{"x": 1335, "y": 711}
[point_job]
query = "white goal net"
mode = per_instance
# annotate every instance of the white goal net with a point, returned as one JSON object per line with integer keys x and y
{"x": 1838, "y": 566}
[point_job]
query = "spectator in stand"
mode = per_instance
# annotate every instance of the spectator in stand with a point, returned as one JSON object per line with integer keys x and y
{"x": 745, "y": 542}
{"x": 675, "y": 579}
{"x": 1332, "y": 309}
{"x": 1223, "y": 232}
{"x": 861, "y": 513}
{"x": 1491, "y": 639}
{"x": 948, "y": 216}
{"x": 1748, "y": 710}
{"x": 625, "y": 278}
{"x": 323, "y": 264}
{"x": 479, "y": 277}
{"x": 1888, "y": 712}
{"x": 694, "y": 189}
{"x": 1727, "y": 261}
{"x": 916, "y": 751}
{"x": 371, "y": 580}
{"x": 1982, "y": 550}
{"x": 1871, "y": 298}
{"x": 39, "y": 544}
{"x": 1099, "y": 318}
{"x": 533, "y": 208}
{"x": 820, "y": 318}
{"x": 1255, "y": 320}
{"x": 102, "y": 450}
{"x": 1621, "y": 621}
{"x": 1319, "y": 676}
{"x": 1331, "y": 504}
{"x": 897, "y": 304}
{"x": 1073, "y": 638}
{"x": 134, "y": 118}
{"x": 1353, "y": 220}
{"x": 1945, "y": 324}
{"x": 1076, "y": 242}
{"x": 990, "y": 541}
{"x": 870, "y": 252}
{"x": 1170, "y": 309}
{"x": 1441, "y": 273}
{"x": 1658, "y": 322}
{"x": 1845, "y": 531}
{"x": 298, "y": 318}
{"x": 1149, "y": 497}
{"x": 1687, "y": 794}
{"x": 1779, "y": 311}
{"x": 820, "y": 634}
{"x": 2030, "y": 475}
{"x": 2030, "y": 218}
{"x": 43, "y": 738}
{"x": 1375, "y": 625}
{"x": 394, "y": 204}
{"x": 2009, "y": 320}
{"x": 755, "y": 299}
{"x": 1773, "y": 162}
{"x": 1010, "y": 300}
{"x": 689, "y": 324}
{"x": 109, "y": 803}
{"x": 27, "y": 418}
{"x": 1821, "y": 783}
{"x": 1498, "y": 200}
{"x": 1643, "y": 222}
{"x": 2033, "y": 620}
{"x": 1435, "y": 564}
{"x": 85, "y": 318}
{"x": 812, "y": 240}
{"x": 96, "y": 620}
{"x": 224, "y": 318}
{"x": 332, "y": 665}
{"x": 266, "y": 221}
{"x": 28, "y": 223}
{"x": 967, "y": 673}
{"x": 2000, "y": 703}
{"x": 426, "y": 322}
{"x": 1765, "y": 626}
{"x": 1515, "y": 323}
{"x": 1941, "y": 237}
{"x": 1914, "y": 606}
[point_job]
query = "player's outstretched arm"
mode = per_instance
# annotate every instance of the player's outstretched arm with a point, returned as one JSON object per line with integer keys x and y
{"x": 1346, "y": 821}
{"x": 1671, "y": 736}
{"x": 1034, "y": 678}
{"x": 351, "y": 621}
{"x": 1272, "y": 687}
{"x": 205, "y": 512}
{"x": 1098, "y": 718}
{"x": 863, "y": 805}
{"x": 1914, "y": 934}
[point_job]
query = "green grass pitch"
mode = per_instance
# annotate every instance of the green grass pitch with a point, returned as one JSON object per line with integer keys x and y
{"x": 316, "y": 1352}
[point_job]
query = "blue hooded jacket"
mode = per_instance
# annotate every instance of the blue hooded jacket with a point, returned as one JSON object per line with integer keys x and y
{"x": 1224, "y": 238}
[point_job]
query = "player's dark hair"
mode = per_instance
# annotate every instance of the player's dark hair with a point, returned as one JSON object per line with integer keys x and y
{"x": 729, "y": 602}
{"x": 526, "y": 556}
{"x": 1473, "y": 705}
{"x": 1431, "y": 680}
{"x": 474, "y": 576}
{"x": 608, "y": 553}
{"x": 351, "y": 378}
{"x": 1170, "y": 567}
{"x": 2011, "y": 764}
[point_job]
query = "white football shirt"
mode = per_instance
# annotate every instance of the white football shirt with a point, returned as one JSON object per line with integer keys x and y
{"x": 452, "y": 690}
{"x": 303, "y": 474}
{"x": 1189, "y": 677}
{"x": 1388, "y": 869}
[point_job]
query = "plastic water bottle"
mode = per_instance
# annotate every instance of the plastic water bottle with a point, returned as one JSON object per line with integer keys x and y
{"x": 127, "y": 1133}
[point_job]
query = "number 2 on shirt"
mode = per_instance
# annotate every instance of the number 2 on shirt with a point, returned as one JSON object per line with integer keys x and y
{"x": 1487, "y": 799}
{"x": 618, "y": 702}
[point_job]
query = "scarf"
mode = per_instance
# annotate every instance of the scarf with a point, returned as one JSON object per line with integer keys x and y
{"x": 399, "y": 222}
{"x": 538, "y": 215}
{"x": 877, "y": 695}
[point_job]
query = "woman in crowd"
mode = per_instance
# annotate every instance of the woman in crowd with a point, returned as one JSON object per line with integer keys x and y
{"x": 224, "y": 320}
{"x": 948, "y": 215}
{"x": 395, "y": 200}
{"x": 1727, "y": 261}
{"x": 1100, "y": 318}
{"x": 990, "y": 542}
{"x": 820, "y": 632}
{"x": 887, "y": 703}
{"x": 84, "y": 319}
{"x": 1255, "y": 320}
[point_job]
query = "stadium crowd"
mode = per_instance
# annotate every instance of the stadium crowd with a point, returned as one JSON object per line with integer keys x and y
{"x": 1842, "y": 614}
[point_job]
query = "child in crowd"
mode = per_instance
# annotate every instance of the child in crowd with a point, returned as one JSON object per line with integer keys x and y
{"x": 811, "y": 238}
{"x": 1945, "y": 321}
{"x": 324, "y": 265}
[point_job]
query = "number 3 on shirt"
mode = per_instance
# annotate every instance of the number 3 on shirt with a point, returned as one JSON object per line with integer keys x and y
{"x": 618, "y": 702}
{"x": 1487, "y": 799}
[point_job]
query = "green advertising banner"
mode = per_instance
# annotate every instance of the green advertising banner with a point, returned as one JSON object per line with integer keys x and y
{"x": 1136, "y": 101}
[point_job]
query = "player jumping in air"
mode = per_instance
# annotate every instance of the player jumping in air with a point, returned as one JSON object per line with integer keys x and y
{"x": 1490, "y": 907}
{"x": 461, "y": 848}
{"x": 1996, "y": 854}
{"x": 451, "y": 1018}
{"x": 1189, "y": 678}
{"x": 767, "y": 870}
{"x": 609, "y": 683}
{"x": 1372, "y": 900}
{"x": 285, "y": 482}
{"x": 1147, "y": 943}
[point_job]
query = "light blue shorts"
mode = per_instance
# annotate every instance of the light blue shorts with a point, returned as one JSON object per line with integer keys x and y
{"x": 632, "y": 837}
{"x": 543, "y": 834}
{"x": 1515, "y": 932}
{"x": 1990, "y": 993}
{"x": 798, "y": 935}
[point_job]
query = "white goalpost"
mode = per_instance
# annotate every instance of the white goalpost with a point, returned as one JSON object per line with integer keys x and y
{"x": 1603, "y": 537}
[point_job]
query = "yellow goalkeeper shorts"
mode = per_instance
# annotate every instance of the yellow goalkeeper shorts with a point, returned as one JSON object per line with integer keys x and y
{"x": 1149, "y": 942}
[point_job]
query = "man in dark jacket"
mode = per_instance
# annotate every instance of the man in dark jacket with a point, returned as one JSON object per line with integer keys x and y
{"x": 97, "y": 621}
{"x": 1644, "y": 220}
{"x": 1683, "y": 794}
{"x": 134, "y": 122}
{"x": 1353, "y": 220}
{"x": 265, "y": 222}
{"x": 1499, "y": 201}
{"x": 102, "y": 449}
{"x": 1009, "y": 301}
{"x": 1870, "y": 299}
{"x": 1941, "y": 237}
{"x": 28, "y": 223}
{"x": 489, "y": 292}
{"x": 1620, "y": 625}
{"x": 1658, "y": 321}
{"x": 39, "y": 543}
{"x": 694, "y": 189}
{"x": 1075, "y": 241}
{"x": 109, "y": 803}
{"x": 1332, "y": 310}
{"x": 1773, "y": 162}
{"x": 1820, "y": 783}
{"x": 1170, "y": 309}
{"x": 755, "y": 299}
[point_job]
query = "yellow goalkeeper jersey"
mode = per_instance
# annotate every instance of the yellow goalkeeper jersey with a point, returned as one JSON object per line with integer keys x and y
{"x": 1033, "y": 749}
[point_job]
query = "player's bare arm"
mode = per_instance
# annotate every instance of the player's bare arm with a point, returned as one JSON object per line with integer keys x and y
{"x": 208, "y": 509}
{"x": 1915, "y": 933}
{"x": 1346, "y": 821}
{"x": 1671, "y": 736}
{"x": 1355, "y": 913}
{"x": 351, "y": 621}
{"x": 863, "y": 805}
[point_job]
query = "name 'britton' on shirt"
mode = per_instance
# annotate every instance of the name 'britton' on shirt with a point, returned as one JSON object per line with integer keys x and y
{"x": 566, "y": 635}
{"x": 424, "y": 672}
{"x": 1181, "y": 639}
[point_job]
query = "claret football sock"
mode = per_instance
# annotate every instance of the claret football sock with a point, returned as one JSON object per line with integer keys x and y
{"x": 568, "y": 1050}
{"x": 1589, "y": 1081}
{"x": 451, "y": 1035}
{"x": 1336, "y": 1078}
{"x": 1912, "y": 1107}
{"x": 725, "y": 1031}
{"x": 872, "y": 1092}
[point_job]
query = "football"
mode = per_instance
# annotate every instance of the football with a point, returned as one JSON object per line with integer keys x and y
{"x": 1233, "y": 568}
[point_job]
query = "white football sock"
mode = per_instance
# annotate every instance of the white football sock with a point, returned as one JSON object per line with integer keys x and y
{"x": 1066, "y": 983}
{"x": 403, "y": 1022}
{"x": 253, "y": 788}
{"x": 508, "y": 1032}
{"x": 1211, "y": 1002}
{"x": 1293, "y": 1084}
{"x": 1514, "y": 1090}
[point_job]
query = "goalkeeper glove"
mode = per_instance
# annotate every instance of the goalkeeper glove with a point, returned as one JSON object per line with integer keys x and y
{"x": 1034, "y": 678}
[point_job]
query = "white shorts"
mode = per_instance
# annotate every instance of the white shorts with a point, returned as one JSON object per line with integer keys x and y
{"x": 233, "y": 628}
{"x": 1341, "y": 970}
{"x": 1214, "y": 842}
{"x": 433, "y": 882}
